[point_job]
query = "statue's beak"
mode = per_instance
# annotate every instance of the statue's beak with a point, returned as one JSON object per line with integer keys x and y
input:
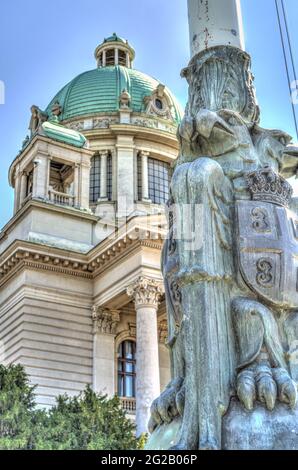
{"x": 290, "y": 161}
{"x": 291, "y": 150}
{"x": 208, "y": 122}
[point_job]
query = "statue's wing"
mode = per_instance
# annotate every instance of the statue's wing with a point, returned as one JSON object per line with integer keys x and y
{"x": 291, "y": 329}
{"x": 289, "y": 161}
{"x": 203, "y": 197}
{"x": 294, "y": 205}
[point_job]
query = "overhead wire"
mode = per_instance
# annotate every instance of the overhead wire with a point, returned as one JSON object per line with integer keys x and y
{"x": 286, "y": 57}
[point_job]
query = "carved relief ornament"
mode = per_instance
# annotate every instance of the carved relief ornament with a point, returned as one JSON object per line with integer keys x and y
{"x": 146, "y": 292}
{"x": 105, "y": 321}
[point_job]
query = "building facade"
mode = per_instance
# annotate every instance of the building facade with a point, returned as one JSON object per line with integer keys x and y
{"x": 81, "y": 292}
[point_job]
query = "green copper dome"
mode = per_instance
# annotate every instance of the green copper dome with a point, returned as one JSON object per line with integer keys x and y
{"x": 97, "y": 92}
{"x": 115, "y": 38}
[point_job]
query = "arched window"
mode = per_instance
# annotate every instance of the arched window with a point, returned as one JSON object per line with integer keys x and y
{"x": 159, "y": 176}
{"x": 95, "y": 178}
{"x": 127, "y": 369}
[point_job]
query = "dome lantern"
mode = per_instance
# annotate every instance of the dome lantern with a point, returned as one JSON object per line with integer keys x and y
{"x": 114, "y": 51}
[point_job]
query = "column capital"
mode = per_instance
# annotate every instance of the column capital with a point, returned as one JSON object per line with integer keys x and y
{"x": 144, "y": 153}
{"x": 146, "y": 292}
{"x": 103, "y": 153}
{"x": 104, "y": 320}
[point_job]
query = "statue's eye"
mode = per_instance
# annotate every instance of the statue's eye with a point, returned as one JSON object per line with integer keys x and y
{"x": 282, "y": 140}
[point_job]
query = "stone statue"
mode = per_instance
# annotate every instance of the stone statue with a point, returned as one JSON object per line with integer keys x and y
{"x": 232, "y": 300}
{"x": 56, "y": 109}
{"x": 37, "y": 118}
{"x": 125, "y": 99}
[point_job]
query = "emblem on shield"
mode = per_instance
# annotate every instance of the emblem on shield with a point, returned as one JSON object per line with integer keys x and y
{"x": 267, "y": 244}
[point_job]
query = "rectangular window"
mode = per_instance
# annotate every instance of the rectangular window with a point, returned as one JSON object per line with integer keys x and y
{"x": 159, "y": 176}
{"x": 95, "y": 179}
{"x": 139, "y": 177}
{"x": 110, "y": 178}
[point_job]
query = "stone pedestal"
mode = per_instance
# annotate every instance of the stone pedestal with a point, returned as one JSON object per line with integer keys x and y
{"x": 259, "y": 429}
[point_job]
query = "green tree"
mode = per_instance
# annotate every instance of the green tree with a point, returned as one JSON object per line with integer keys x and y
{"x": 88, "y": 421}
{"x": 16, "y": 408}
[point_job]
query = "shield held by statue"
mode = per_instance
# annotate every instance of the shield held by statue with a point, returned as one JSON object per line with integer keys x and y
{"x": 267, "y": 244}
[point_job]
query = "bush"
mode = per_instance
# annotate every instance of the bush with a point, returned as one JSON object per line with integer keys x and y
{"x": 88, "y": 421}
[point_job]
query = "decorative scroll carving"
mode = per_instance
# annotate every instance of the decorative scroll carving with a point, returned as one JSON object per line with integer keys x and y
{"x": 132, "y": 327}
{"x": 104, "y": 320}
{"x": 104, "y": 123}
{"x": 146, "y": 291}
{"x": 159, "y": 103}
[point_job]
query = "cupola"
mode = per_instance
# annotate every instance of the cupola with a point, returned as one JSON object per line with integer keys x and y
{"x": 114, "y": 51}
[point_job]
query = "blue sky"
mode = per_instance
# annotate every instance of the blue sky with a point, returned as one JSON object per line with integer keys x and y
{"x": 46, "y": 44}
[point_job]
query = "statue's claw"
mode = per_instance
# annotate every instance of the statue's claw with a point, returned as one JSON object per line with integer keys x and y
{"x": 246, "y": 389}
{"x": 211, "y": 444}
{"x": 180, "y": 400}
{"x": 267, "y": 385}
{"x": 287, "y": 390}
{"x": 168, "y": 405}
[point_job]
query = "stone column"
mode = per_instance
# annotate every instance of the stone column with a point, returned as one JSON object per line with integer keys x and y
{"x": 145, "y": 183}
{"x": 116, "y": 56}
{"x": 104, "y": 329}
{"x": 84, "y": 184}
{"x": 41, "y": 177}
{"x": 17, "y": 191}
{"x": 103, "y": 175}
{"x": 104, "y": 58}
{"x": 128, "y": 64}
{"x": 23, "y": 187}
{"x": 76, "y": 185}
{"x": 215, "y": 23}
{"x": 125, "y": 175}
{"x": 146, "y": 294}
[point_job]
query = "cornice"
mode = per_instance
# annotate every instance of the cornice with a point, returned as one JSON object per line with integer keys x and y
{"x": 43, "y": 140}
{"x": 22, "y": 254}
{"x": 48, "y": 206}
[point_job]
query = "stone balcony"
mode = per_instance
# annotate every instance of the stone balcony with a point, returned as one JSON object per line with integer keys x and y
{"x": 128, "y": 405}
{"x": 61, "y": 198}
